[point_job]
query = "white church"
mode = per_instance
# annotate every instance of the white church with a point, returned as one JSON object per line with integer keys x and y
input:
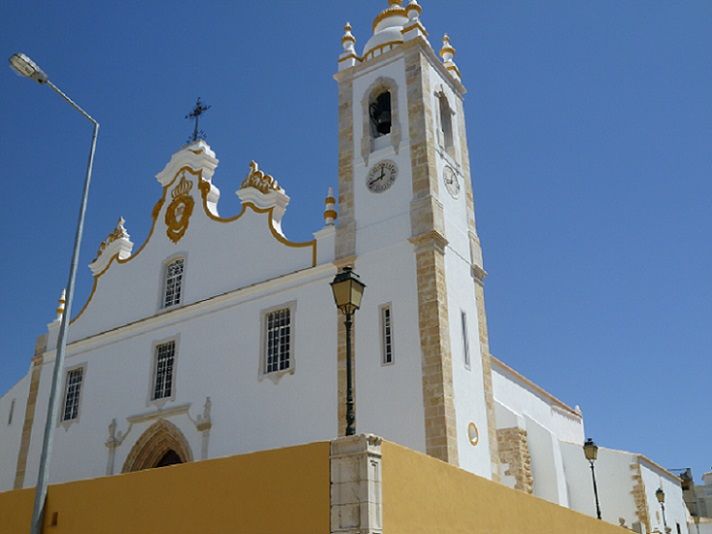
{"x": 219, "y": 335}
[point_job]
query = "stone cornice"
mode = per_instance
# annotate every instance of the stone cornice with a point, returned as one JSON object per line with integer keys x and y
{"x": 194, "y": 309}
{"x": 534, "y": 388}
{"x": 422, "y": 45}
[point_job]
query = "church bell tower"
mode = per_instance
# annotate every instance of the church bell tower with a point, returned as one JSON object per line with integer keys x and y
{"x": 407, "y": 225}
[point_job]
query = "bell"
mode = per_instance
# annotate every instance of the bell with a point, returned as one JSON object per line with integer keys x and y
{"x": 383, "y": 122}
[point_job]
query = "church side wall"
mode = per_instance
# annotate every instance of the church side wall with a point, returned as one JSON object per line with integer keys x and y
{"x": 675, "y": 508}
{"x": 615, "y": 483}
{"x": 521, "y": 400}
{"x": 14, "y": 400}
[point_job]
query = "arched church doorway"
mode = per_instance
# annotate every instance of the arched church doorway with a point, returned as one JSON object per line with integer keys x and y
{"x": 161, "y": 445}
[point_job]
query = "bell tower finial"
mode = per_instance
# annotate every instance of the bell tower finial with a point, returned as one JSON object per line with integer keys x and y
{"x": 447, "y": 52}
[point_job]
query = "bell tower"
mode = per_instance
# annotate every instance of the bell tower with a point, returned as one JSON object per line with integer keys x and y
{"x": 407, "y": 225}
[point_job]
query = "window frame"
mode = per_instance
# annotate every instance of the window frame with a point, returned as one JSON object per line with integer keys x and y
{"x": 264, "y": 314}
{"x": 164, "y": 281}
{"x": 443, "y": 103}
{"x": 66, "y": 423}
{"x": 11, "y": 412}
{"x": 382, "y": 330}
{"x": 466, "y": 356}
{"x": 151, "y": 399}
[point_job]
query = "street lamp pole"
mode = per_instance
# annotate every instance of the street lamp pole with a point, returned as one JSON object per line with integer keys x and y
{"x": 348, "y": 291}
{"x": 350, "y": 415}
{"x": 590, "y": 450}
{"x": 24, "y": 66}
{"x": 660, "y": 495}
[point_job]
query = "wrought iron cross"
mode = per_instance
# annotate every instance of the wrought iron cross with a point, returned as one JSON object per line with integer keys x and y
{"x": 198, "y": 110}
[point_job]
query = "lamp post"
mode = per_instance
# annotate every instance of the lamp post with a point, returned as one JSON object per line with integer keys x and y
{"x": 348, "y": 291}
{"x": 660, "y": 495}
{"x": 590, "y": 450}
{"x": 24, "y": 66}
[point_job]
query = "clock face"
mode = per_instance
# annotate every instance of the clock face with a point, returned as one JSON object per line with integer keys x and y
{"x": 452, "y": 184}
{"x": 381, "y": 176}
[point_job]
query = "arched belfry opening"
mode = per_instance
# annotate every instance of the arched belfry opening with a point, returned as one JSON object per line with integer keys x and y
{"x": 379, "y": 111}
{"x": 163, "y": 444}
{"x": 448, "y": 140}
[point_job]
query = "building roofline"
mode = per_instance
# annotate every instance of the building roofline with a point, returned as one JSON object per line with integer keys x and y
{"x": 535, "y": 388}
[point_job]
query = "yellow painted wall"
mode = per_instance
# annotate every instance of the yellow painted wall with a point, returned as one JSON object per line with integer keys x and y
{"x": 270, "y": 492}
{"x": 421, "y": 494}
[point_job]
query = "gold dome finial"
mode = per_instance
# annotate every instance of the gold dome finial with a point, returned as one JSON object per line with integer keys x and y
{"x": 447, "y": 52}
{"x": 348, "y": 40}
{"x": 60, "y": 305}
{"x": 447, "y": 49}
{"x": 330, "y": 207}
{"x": 394, "y": 9}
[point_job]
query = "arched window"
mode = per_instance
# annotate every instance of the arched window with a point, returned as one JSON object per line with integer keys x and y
{"x": 446, "y": 124}
{"x": 379, "y": 112}
{"x": 173, "y": 283}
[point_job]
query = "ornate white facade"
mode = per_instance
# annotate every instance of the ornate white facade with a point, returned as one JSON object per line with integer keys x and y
{"x": 219, "y": 335}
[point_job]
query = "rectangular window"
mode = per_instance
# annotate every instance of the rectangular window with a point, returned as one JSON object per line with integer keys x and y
{"x": 465, "y": 342}
{"x": 278, "y": 340}
{"x": 12, "y": 411}
{"x": 163, "y": 370}
{"x": 386, "y": 334}
{"x": 72, "y": 393}
{"x": 173, "y": 283}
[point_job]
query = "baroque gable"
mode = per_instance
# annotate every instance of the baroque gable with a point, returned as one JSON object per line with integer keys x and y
{"x": 220, "y": 253}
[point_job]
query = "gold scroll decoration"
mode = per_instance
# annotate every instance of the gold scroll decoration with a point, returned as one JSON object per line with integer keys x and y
{"x": 179, "y": 210}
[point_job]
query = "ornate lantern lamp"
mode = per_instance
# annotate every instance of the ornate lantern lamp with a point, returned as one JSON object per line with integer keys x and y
{"x": 590, "y": 450}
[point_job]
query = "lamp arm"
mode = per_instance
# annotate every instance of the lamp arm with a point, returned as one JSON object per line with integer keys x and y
{"x": 72, "y": 102}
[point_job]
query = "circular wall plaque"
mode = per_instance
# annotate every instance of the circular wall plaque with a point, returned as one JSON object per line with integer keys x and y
{"x": 473, "y": 434}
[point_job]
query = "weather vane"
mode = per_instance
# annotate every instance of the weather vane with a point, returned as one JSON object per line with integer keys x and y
{"x": 198, "y": 110}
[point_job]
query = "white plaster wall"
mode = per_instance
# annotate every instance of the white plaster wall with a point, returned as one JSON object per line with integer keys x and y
{"x": 521, "y": 399}
{"x": 11, "y": 433}
{"x": 703, "y": 527}
{"x": 389, "y": 398}
{"x": 218, "y": 355}
{"x": 675, "y": 509}
{"x": 547, "y": 464}
{"x": 615, "y": 483}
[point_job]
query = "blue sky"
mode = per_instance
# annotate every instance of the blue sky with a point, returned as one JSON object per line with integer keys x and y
{"x": 590, "y": 127}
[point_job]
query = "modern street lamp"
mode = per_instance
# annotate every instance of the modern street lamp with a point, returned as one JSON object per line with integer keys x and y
{"x": 660, "y": 496}
{"x": 590, "y": 450}
{"x": 348, "y": 291}
{"x": 24, "y": 66}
